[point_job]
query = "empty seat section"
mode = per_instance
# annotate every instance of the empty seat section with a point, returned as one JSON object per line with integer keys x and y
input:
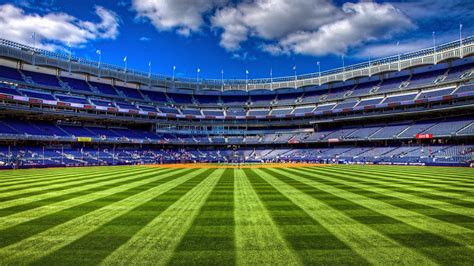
{"x": 286, "y": 111}
{"x": 125, "y": 105}
{"x": 130, "y": 93}
{"x": 10, "y": 73}
{"x": 189, "y": 111}
{"x": 447, "y": 128}
{"x": 365, "y": 88}
{"x": 5, "y": 89}
{"x": 235, "y": 99}
{"x": 262, "y": 100}
{"x": 77, "y": 131}
{"x": 100, "y": 131}
{"x": 259, "y": 112}
{"x": 38, "y": 95}
{"x": 42, "y": 79}
{"x": 415, "y": 129}
{"x": 236, "y": 111}
{"x": 22, "y": 127}
{"x": 338, "y": 93}
{"x": 392, "y": 84}
{"x": 304, "y": 110}
{"x": 156, "y": 96}
{"x": 368, "y": 102}
{"x": 103, "y": 103}
{"x": 147, "y": 108}
{"x": 435, "y": 93}
{"x": 181, "y": 98}
{"x": 363, "y": 133}
{"x": 324, "y": 107}
{"x": 169, "y": 110}
{"x": 465, "y": 88}
{"x": 459, "y": 72}
{"x": 207, "y": 99}
{"x": 349, "y": 103}
{"x": 288, "y": 99}
{"x": 400, "y": 98}
{"x": 76, "y": 84}
{"x": 71, "y": 99}
{"x": 390, "y": 131}
{"x": 50, "y": 129}
{"x": 312, "y": 96}
{"x": 213, "y": 112}
{"x": 425, "y": 78}
{"x": 104, "y": 88}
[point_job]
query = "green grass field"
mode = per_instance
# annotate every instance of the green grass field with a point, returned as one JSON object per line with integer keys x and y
{"x": 286, "y": 216}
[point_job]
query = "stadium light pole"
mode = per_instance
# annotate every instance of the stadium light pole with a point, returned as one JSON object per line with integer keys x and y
{"x": 294, "y": 70}
{"x": 246, "y": 79}
{"x": 222, "y": 79}
{"x": 398, "y": 50}
{"x": 68, "y": 44}
{"x": 435, "y": 59}
{"x": 125, "y": 62}
{"x": 174, "y": 71}
{"x": 33, "y": 36}
{"x": 99, "y": 53}
{"x": 370, "y": 66}
{"x": 343, "y": 69}
{"x": 460, "y": 41}
{"x": 149, "y": 69}
{"x": 197, "y": 75}
{"x": 319, "y": 71}
{"x": 271, "y": 78}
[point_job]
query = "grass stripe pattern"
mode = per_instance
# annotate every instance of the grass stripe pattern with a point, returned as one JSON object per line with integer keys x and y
{"x": 329, "y": 215}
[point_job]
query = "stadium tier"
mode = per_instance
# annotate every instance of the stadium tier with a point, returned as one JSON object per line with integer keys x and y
{"x": 56, "y": 111}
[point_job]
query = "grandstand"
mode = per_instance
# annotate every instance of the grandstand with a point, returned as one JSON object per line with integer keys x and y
{"x": 58, "y": 110}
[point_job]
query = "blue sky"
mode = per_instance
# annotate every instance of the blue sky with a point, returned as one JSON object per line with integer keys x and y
{"x": 233, "y": 36}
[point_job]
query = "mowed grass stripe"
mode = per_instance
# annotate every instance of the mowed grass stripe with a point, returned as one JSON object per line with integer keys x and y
{"x": 438, "y": 209}
{"x": 443, "y": 242}
{"x": 258, "y": 241}
{"x": 430, "y": 184}
{"x": 69, "y": 177}
{"x": 58, "y": 185}
{"x": 38, "y": 175}
{"x": 453, "y": 221}
{"x": 97, "y": 244}
{"x": 29, "y": 215}
{"x": 313, "y": 243}
{"x": 437, "y": 175}
{"x": 463, "y": 198}
{"x": 49, "y": 241}
{"x": 157, "y": 241}
{"x": 42, "y": 200}
{"x": 27, "y": 229}
{"x": 210, "y": 239}
{"x": 371, "y": 244}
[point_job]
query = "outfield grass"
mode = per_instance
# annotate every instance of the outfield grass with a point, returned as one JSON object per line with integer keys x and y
{"x": 289, "y": 216}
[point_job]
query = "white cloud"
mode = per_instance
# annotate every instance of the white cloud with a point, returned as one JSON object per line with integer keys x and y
{"x": 313, "y": 27}
{"x": 184, "y": 16}
{"x": 55, "y": 29}
{"x": 271, "y": 19}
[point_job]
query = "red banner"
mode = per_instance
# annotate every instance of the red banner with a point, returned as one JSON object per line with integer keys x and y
{"x": 424, "y": 136}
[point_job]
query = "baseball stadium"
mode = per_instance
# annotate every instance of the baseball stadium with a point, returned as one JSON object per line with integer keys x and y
{"x": 105, "y": 162}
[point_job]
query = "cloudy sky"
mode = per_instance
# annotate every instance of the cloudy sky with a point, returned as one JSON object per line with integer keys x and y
{"x": 233, "y": 36}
